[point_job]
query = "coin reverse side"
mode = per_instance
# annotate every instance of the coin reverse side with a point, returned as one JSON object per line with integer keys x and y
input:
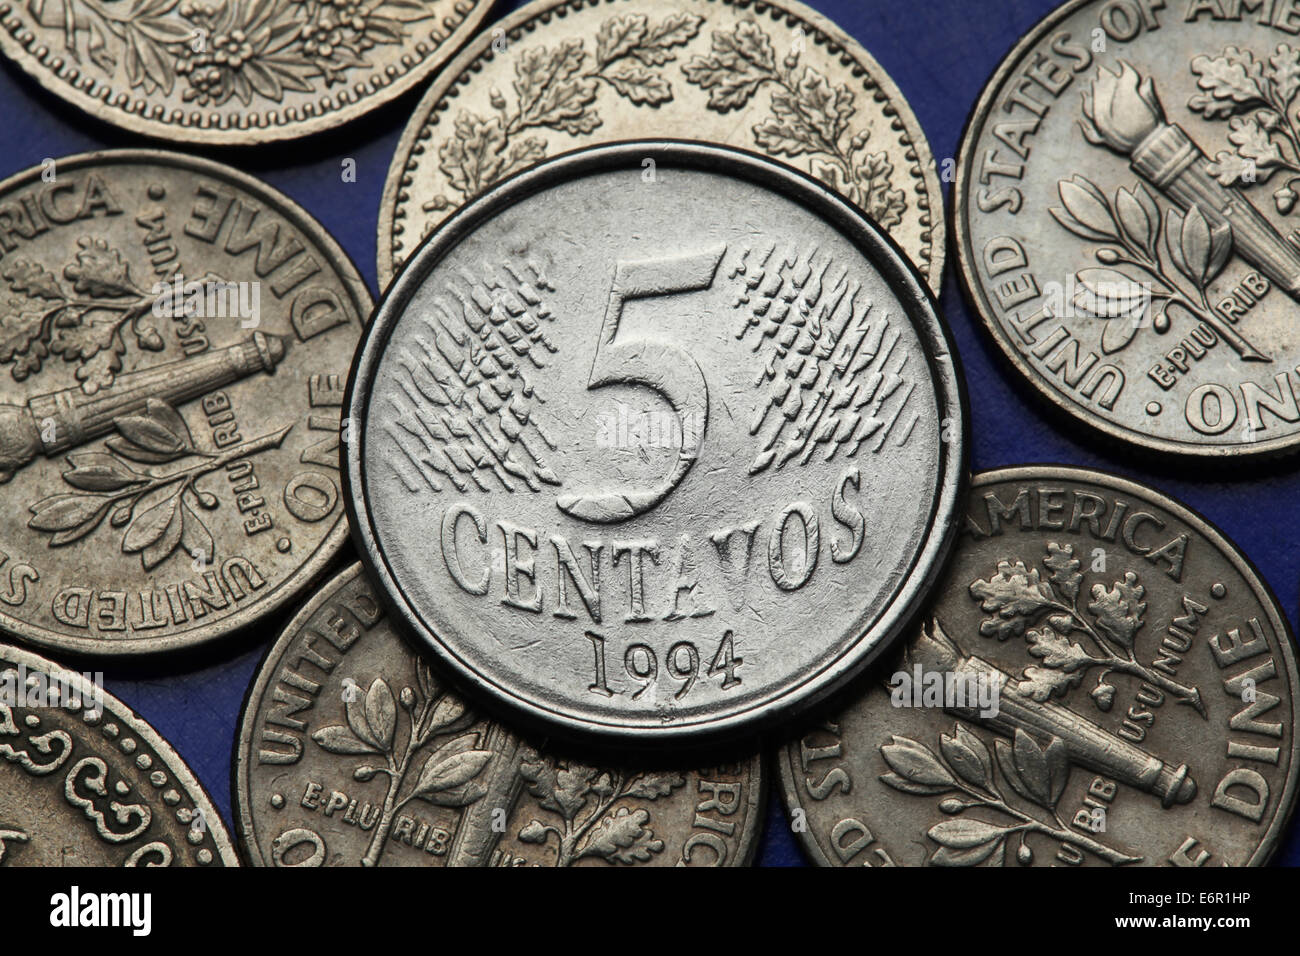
{"x": 175, "y": 343}
{"x": 656, "y": 455}
{"x": 88, "y": 783}
{"x": 557, "y": 75}
{"x": 1103, "y": 679}
{"x": 238, "y": 72}
{"x": 382, "y": 764}
{"x": 1125, "y": 216}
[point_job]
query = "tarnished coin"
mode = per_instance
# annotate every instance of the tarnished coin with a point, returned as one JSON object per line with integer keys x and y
{"x": 1125, "y": 219}
{"x": 233, "y": 72}
{"x": 352, "y": 753}
{"x": 174, "y": 342}
{"x": 1102, "y": 679}
{"x": 557, "y": 75}
{"x": 88, "y": 783}
{"x": 658, "y": 440}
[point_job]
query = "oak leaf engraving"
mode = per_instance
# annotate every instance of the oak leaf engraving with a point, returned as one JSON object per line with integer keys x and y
{"x": 1017, "y": 600}
{"x": 1259, "y": 101}
{"x": 85, "y": 322}
{"x": 810, "y": 116}
{"x": 557, "y": 87}
{"x": 594, "y": 820}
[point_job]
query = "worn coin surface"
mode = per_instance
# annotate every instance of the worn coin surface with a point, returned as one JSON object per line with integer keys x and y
{"x": 773, "y": 77}
{"x": 88, "y": 783}
{"x": 174, "y": 343}
{"x": 234, "y": 72}
{"x": 352, "y": 753}
{"x": 1125, "y": 216}
{"x": 658, "y": 440}
{"x": 1102, "y": 679}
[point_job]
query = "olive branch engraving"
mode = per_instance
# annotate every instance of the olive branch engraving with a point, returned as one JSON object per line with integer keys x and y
{"x": 158, "y": 509}
{"x": 810, "y": 117}
{"x": 1017, "y": 597}
{"x": 556, "y": 88}
{"x": 447, "y": 775}
{"x": 1259, "y": 101}
{"x": 584, "y": 799}
{"x": 964, "y": 766}
{"x": 1181, "y": 266}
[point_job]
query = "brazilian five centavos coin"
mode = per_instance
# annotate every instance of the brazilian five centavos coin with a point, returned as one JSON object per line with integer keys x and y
{"x": 351, "y": 752}
{"x": 174, "y": 343}
{"x": 1125, "y": 218}
{"x": 655, "y": 440}
{"x": 233, "y": 72}
{"x": 774, "y": 77}
{"x": 1103, "y": 678}
{"x": 88, "y": 783}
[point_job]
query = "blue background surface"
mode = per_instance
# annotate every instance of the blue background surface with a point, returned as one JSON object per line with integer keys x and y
{"x": 939, "y": 53}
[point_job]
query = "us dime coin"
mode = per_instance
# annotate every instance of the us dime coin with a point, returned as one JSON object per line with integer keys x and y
{"x": 86, "y": 782}
{"x": 175, "y": 344}
{"x": 1102, "y": 679}
{"x": 235, "y": 72}
{"x": 1125, "y": 225}
{"x": 773, "y": 77}
{"x": 657, "y": 440}
{"x": 352, "y": 752}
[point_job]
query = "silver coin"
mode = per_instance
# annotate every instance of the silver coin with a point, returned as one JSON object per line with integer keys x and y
{"x": 352, "y": 752}
{"x": 1102, "y": 679}
{"x": 86, "y": 782}
{"x": 174, "y": 343}
{"x": 235, "y": 72}
{"x": 629, "y": 422}
{"x": 777, "y": 78}
{"x": 1125, "y": 220}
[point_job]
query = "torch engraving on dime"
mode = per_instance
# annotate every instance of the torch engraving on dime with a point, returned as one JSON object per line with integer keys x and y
{"x": 169, "y": 445}
{"x": 1141, "y": 711}
{"x": 1111, "y": 234}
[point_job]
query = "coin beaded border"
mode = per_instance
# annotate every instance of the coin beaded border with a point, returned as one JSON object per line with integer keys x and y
{"x": 916, "y": 301}
{"x": 265, "y": 675}
{"x": 978, "y": 301}
{"x": 1268, "y": 845}
{"x": 128, "y": 730}
{"x": 472, "y": 59}
{"x": 329, "y": 548}
{"x": 245, "y": 127}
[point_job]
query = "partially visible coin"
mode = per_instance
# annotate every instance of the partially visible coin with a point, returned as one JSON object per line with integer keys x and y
{"x": 1102, "y": 679}
{"x": 633, "y": 420}
{"x": 234, "y": 72}
{"x": 557, "y": 75}
{"x": 351, "y": 752}
{"x": 1125, "y": 216}
{"x": 174, "y": 342}
{"x": 86, "y": 782}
